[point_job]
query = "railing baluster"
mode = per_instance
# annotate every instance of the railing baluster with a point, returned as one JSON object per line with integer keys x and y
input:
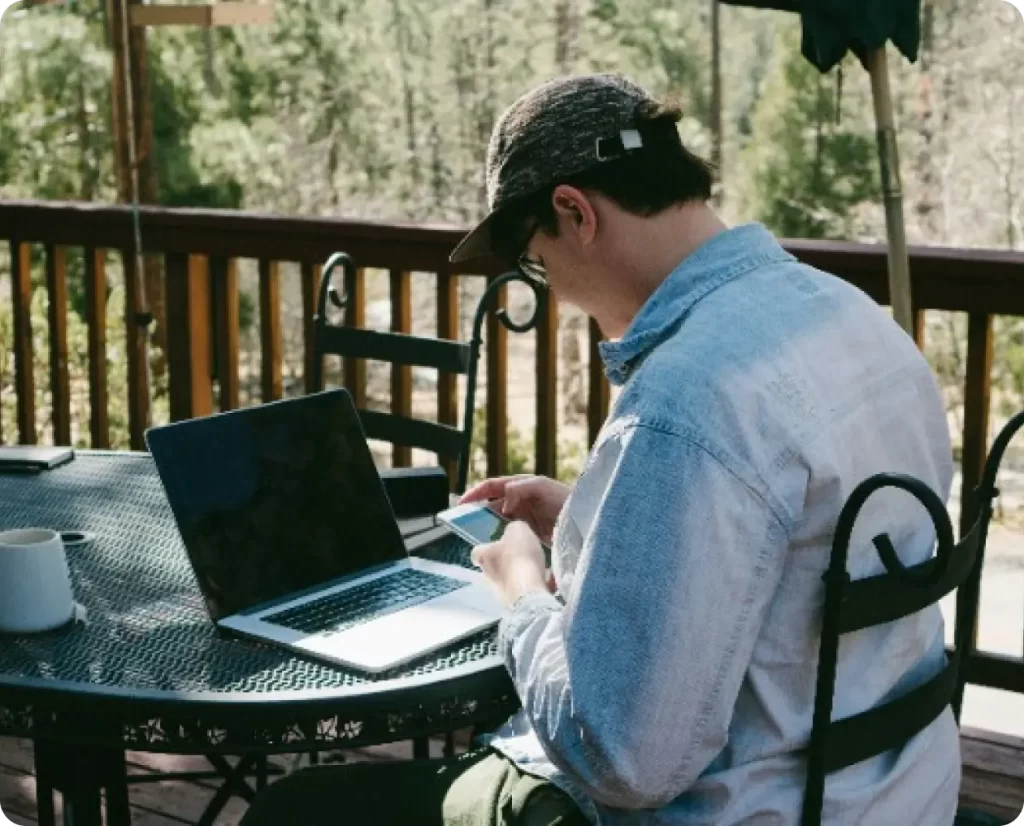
{"x": 355, "y": 316}
{"x": 919, "y": 328}
{"x": 21, "y": 297}
{"x": 598, "y": 394}
{"x": 224, "y": 286}
{"x": 188, "y": 336}
{"x": 96, "y": 320}
{"x": 497, "y": 390}
{"x": 310, "y": 274}
{"x": 977, "y": 395}
{"x": 447, "y": 384}
{"x": 401, "y": 374}
{"x": 270, "y": 330}
{"x": 60, "y": 384}
{"x": 138, "y": 373}
{"x": 547, "y": 388}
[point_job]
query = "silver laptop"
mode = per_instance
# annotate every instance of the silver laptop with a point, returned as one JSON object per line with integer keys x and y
{"x": 293, "y": 540}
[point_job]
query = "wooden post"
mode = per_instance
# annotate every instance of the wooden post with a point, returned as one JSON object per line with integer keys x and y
{"x": 60, "y": 385}
{"x": 401, "y": 374}
{"x": 140, "y": 107}
{"x": 24, "y": 382}
{"x": 497, "y": 389}
{"x": 270, "y": 330}
{"x": 96, "y": 318}
{"x": 188, "y": 316}
{"x": 447, "y": 384}
{"x": 310, "y": 274}
{"x": 203, "y": 15}
{"x": 892, "y": 191}
{"x": 355, "y": 316}
{"x": 546, "y": 460}
{"x": 224, "y": 286}
{"x": 138, "y": 370}
{"x": 920, "y": 328}
{"x": 977, "y": 397}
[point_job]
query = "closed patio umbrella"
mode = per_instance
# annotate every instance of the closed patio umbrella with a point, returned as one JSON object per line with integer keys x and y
{"x": 830, "y": 29}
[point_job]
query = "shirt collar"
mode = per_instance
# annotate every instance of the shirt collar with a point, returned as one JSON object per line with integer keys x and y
{"x": 720, "y": 259}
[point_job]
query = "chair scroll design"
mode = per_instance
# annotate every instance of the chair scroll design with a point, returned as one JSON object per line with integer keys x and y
{"x": 448, "y": 356}
{"x": 969, "y": 596}
{"x": 488, "y": 303}
{"x": 852, "y": 605}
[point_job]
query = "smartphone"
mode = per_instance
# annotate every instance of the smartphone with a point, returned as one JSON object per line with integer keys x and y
{"x": 478, "y": 524}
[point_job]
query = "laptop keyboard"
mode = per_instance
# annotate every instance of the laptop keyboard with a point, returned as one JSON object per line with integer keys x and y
{"x": 385, "y": 595}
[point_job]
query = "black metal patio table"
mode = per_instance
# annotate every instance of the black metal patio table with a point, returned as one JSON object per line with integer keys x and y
{"x": 148, "y": 671}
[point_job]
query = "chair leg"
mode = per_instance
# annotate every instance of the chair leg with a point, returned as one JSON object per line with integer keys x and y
{"x": 421, "y": 748}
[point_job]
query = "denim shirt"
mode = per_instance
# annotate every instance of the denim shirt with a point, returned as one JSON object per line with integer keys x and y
{"x": 675, "y": 684}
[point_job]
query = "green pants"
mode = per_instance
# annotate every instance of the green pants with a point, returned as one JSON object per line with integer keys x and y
{"x": 481, "y": 788}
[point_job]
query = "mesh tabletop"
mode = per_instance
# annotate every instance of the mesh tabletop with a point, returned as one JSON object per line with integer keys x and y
{"x": 148, "y": 635}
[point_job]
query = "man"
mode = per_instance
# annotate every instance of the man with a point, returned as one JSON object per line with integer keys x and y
{"x": 672, "y": 678}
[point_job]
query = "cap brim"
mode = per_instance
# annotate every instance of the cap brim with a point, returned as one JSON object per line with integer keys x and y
{"x": 477, "y": 244}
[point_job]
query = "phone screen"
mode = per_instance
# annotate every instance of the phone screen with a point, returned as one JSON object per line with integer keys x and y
{"x": 483, "y": 524}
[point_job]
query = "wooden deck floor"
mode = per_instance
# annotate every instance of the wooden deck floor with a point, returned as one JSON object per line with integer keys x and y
{"x": 993, "y": 780}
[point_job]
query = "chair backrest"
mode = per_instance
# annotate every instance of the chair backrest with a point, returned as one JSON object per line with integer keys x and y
{"x": 853, "y": 605}
{"x": 449, "y": 442}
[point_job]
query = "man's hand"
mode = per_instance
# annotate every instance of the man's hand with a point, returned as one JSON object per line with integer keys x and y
{"x": 514, "y": 564}
{"x": 535, "y": 500}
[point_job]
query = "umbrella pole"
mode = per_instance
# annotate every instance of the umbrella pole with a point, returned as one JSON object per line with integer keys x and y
{"x": 888, "y": 156}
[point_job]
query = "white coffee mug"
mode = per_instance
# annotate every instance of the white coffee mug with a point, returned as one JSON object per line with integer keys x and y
{"x": 35, "y": 586}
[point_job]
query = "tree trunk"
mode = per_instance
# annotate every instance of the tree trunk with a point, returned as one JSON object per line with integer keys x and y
{"x": 927, "y": 204}
{"x": 86, "y": 169}
{"x": 1011, "y": 178}
{"x": 403, "y": 45}
{"x": 565, "y": 35}
{"x": 209, "y": 67}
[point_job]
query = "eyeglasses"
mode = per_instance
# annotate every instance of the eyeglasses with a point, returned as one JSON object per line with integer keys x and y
{"x": 531, "y": 267}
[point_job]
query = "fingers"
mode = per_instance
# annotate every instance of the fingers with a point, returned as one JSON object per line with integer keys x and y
{"x": 519, "y": 493}
{"x": 488, "y": 489}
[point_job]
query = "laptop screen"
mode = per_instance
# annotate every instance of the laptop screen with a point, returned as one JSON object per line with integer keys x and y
{"x": 275, "y": 499}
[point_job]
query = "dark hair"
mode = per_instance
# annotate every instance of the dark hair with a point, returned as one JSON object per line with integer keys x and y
{"x": 644, "y": 182}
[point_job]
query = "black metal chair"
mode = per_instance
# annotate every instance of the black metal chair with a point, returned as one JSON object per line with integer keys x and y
{"x": 851, "y": 606}
{"x": 455, "y": 357}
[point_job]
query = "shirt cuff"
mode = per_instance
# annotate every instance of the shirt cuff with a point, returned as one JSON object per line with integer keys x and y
{"x": 527, "y": 608}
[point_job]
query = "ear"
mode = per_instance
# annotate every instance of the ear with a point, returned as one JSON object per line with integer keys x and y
{"x": 575, "y": 211}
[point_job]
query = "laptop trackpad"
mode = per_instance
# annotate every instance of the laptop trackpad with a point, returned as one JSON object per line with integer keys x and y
{"x": 403, "y": 636}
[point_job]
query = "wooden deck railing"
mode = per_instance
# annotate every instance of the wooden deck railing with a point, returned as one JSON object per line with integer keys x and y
{"x": 201, "y": 249}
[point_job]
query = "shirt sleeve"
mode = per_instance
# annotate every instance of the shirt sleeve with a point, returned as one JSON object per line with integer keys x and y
{"x": 630, "y": 686}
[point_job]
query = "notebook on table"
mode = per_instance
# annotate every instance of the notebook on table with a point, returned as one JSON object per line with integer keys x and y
{"x": 33, "y": 459}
